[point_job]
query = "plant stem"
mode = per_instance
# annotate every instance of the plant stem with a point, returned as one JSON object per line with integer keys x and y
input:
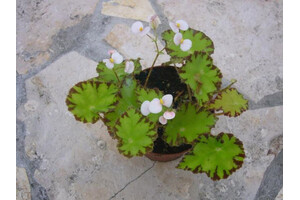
{"x": 116, "y": 75}
{"x": 190, "y": 94}
{"x": 158, "y": 52}
{"x": 178, "y": 95}
{"x": 232, "y": 82}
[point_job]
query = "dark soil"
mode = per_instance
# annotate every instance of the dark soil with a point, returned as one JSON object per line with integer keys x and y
{"x": 167, "y": 80}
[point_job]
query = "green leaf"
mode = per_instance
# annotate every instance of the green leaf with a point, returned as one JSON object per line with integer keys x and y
{"x": 149, "y": 95}
{"x": 217, "y": 156}
{"x": 135, "y": 134}
{"x": 231, "y": 102}
{"x": 108, "y": 75}
{"x": 200, "y": 42}
{"x": 87, "y": 99}
{"x": 201, "y": 75}
{"x": 188, "y": 125}
{"x": 126, "y": 98}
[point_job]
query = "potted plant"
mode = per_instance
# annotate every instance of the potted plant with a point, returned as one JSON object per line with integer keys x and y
{"x": 165, "y": 111}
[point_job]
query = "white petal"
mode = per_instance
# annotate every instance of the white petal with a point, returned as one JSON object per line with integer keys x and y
{"x": 145, "y": 108}
{"x": 174, "y": 28}
{"x": 183, "y": 25}
{"x": 178, "y": 65}
{"x": 186, "y": 45}
{"x": 117, "y": 58}
{"x": 129, "y": 67}
{"x": 167, "y": 99}
{"x": 155, "y": 106}
{"x": 135, "y": 27}
{"x": 162, "y": 120}
{"x": 145, "y": 31}
{"x": 177, "y": 38}
{"x": 169, "y": 115}
{"x": 108, "y": 64}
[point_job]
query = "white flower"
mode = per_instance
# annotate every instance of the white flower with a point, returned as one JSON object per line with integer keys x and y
{"x": 166, "y": 116}
{"x": 185, "y": 45}
{"x": 129, "y": 67}
{"x": 179, "y": 25}
{"x": 138, "y": 28}
{"x": 153, "y": 21}
{"x": 145, "y": 108}
{"x": 115, "y": 58}
{"x": 156, "y": 104}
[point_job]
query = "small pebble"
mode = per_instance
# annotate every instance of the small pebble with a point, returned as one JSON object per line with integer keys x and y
{"x": 101, "y": 144}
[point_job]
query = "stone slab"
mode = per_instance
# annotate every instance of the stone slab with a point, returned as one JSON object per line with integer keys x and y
{"x": 23, "y": 186}
{"x": 247, "y": 36}
{"x": 78, "y": 161}
{"x": 133, "y": 46}
{"x": 129, "y": 9}
{"x": 38, "y": 21}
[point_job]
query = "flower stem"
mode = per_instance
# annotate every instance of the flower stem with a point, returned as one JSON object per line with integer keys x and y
{"x": 116, "y": 75}
{"x": 158, "y": 52}
{"x": 178, "y": 95}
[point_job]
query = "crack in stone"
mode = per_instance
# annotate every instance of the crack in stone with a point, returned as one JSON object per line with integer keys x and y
{"x": 37, "y": 191}
{"x": 271, "y": 100}
{"x": 272, "y": 181}
{"x": 139, "y": 176}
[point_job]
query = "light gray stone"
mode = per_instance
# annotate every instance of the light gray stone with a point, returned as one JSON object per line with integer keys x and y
{"x": 131, "y": 9}
{"x": 38, "y": 21}
{"x": 23, "y": 187}
{"x": 73, "y": 164}
{"x": 247, "y": 36}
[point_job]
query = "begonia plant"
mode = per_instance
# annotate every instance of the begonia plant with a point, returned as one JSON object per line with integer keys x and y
{"x": 176, "y": 103}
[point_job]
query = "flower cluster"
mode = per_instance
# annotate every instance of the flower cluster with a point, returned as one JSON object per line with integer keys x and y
{"x": 116, "y": 58}
{"x": 185, "y": 44}
{"x": 156, "y": 106}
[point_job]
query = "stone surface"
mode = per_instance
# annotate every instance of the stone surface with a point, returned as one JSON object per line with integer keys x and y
{"x": 131, "y": 9}
{"x": 38, "y": 21}
{"x": 133, "y": 46}
{"x": 23, "y": 187}
{"x": 247, "y": 36}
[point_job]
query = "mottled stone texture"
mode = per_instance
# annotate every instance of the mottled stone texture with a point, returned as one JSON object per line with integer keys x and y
{"x": 38, "y": 21}
{"x": 130, "y": 9}
{"x": 23, "y": 187}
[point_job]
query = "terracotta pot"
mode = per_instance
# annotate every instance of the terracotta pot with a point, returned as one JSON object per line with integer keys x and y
{"x": 165, "y": 157}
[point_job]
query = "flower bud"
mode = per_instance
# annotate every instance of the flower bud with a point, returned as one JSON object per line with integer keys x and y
{"x": 153, "y": 21}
